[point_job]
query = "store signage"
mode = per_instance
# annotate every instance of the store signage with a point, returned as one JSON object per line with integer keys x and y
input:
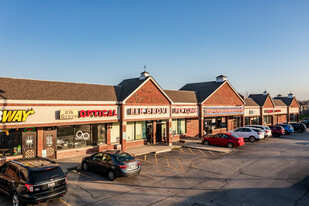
{"x": 7, "y": 116}
{"x": 268, "y": 111}
{"x": 137, "y": 111}
{"x": 251, "y": 111}
{"x": 184, "y": 110}
{"x": 97, "y": 113}
{"x": 82, "y": 135}
{"x": 277, "y": 110}
{"x": 29, "y": 129}
{"x": 222, "y": 110}
{"x": 68, "y": 114}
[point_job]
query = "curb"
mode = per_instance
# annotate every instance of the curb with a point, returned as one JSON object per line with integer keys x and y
{"x": 205, "y": 148}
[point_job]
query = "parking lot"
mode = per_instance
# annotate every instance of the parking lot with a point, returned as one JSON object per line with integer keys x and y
{"x": 273, "y": 171}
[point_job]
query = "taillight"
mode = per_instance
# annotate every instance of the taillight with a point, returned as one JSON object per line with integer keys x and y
{"x": 29, "y": 187}
{"x": 138, "y": 163}
{"x": 259, "y": 133}
{"x": 123, "y": 166}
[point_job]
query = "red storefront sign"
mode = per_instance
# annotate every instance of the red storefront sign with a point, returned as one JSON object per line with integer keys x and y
{"x": 97, "y": 113}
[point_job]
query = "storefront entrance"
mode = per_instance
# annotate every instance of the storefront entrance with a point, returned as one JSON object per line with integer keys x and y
{"x": 161, "y": 131}
{"x": 49, "y": 144}
{"x": 149, "y": 132}
{"x": 29, "y": 144}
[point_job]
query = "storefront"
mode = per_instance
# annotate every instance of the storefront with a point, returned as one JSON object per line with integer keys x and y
{"x": 252, "y": 112}
{"x": 280, "y": 112}
{"x": 292, "y": 107}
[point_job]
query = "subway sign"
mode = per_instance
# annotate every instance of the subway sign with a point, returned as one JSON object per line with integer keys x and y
{"x": 7, "y": 116}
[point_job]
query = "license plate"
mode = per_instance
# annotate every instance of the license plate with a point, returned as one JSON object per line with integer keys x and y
{"x": 51, "y": 184}
{"x": 133, "y": 167}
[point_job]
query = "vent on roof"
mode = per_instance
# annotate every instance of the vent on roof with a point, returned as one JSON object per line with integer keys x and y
{"x": 265, "y": 93}
{"x": 279, "y": 95}
{"x": 221, "y": 78}
{"x": 291, "y": 95}
{"x": 144, "y": 75}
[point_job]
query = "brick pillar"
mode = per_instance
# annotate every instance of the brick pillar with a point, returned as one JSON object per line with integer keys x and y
{"x": 40, "y": 141}
{"x": 288, "y": 116}
{"x": 243, "y": 120}
{"x": 123, "y": 136}
{"x": 154, "y": 131}
{"x": 108, "y": 133}
{"x": 201, "y": 126}
{"x": 169, "y": 132}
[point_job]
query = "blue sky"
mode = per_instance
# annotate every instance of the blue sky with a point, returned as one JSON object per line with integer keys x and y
{"x": 258, "y": 45}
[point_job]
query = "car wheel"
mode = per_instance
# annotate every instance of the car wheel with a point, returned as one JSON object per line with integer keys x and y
{"x": 206, "y": 142}
{"x": 230, "y": 145}
{"x": 299, "y": 131}
{"x": 111, "y": 175}
{"x": 252, "y": 139}
{"x": 85, "y": 166}
{"x": 16, "y": 200}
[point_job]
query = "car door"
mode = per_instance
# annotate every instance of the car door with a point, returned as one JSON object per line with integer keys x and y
{"x": 238, "y": 132}
{"x": 3, "y": 169}
{"x": 106, "y": 163}
{"x": 8, "y": 178}
{"x": 224, "y": 139}
{"x": 95, "y": 161}
{"x": 214, "y": 139}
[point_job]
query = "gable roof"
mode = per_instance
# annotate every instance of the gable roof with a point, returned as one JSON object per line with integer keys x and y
{"x": 129, "y": 86}
{"x": 260, "y": 99}
{"x": 203, "y": 89}
{"x": 286, "y": 100}
{"x": 182, "y": 96}
{"x": 250, "y": 102}
{"x": 279, "y": 103}
{"x": 206, "y": 89}
{"x": 26, "y": 89}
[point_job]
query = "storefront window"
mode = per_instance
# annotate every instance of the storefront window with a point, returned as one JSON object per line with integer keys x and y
{"x": 136, "y": 130}
{"x": 255, "y": 120}
{"x": 65, "y": 137}
{"x": 115, "y": 132}
{"x": 237, "y": 122}
{"x": 268, "y": 120}
{"x": 179, "y": 126}
{"x": 10, "y": 142}
{"x": 247, "y": 121}
{"x": 98, "y": 134}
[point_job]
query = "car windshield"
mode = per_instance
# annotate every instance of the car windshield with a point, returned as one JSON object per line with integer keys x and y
{"x": 46, "y": 174}
{"x": 257, "y": 130}
{"x": 267, "y": 127}
{"x": 123, "y": 157}
{"x": 234, "y": 135}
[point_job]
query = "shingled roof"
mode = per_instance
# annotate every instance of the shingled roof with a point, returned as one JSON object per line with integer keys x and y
{"x": 128, "y": 86}
{"x": 286, "y": 100}
{"x": 26, "y": 89}
{"x": 259, "y": 98}
{"x": 182, "y": 96}
{"x": 279, "y": 103}
{"x": 250, "y": 102}
{"x": 203, "y": 89}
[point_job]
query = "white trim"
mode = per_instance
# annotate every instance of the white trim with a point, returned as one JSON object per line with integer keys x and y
{"x": 10, "y": 101}
{"x": 220, "y": 87}
{"x": 180, "y": 103}
{"x": 148, "y": 79}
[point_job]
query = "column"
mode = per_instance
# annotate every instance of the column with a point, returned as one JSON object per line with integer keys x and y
{"x": 154, "y": 131}
{"x": 40, "y": 142}
{"x": 169, "y": 132}
{"x": 123, "y": 126}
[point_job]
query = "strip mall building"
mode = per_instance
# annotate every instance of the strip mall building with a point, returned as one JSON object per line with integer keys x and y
{"x": 59, "y": 119}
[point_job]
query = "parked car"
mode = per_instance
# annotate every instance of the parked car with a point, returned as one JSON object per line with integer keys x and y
{"x": 265, "y": 129}
{"x": 252, "y": 134}
{"x": 306, "y": 122}
{"x": 299, "y": 127}
{"x": 31, "y": 181}
{"x": 224, "y": 139}
{"x": 277, "y": 131}
{"x": 114, "y": 163}
{"x": 288, "y": 128}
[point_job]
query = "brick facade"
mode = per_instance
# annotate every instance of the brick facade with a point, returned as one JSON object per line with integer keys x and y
{"x": 192, "y": 128}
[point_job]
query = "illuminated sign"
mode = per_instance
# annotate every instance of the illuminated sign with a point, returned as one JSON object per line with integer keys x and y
{"x": 7, "y": 116}
{"x": 29, "y": 129}
{"x": 135, "y": 111}
{"x": 222, "y": 110}
{"x": 268, "y": 111}
{"x": 184, "y": 110}
{"x": 97, "y": 113}
{"x": 251, "y": 111}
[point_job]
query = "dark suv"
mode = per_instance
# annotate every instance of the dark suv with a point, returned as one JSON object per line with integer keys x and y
{"x": 31, "y": 181}
{"x": 299, "y": 127}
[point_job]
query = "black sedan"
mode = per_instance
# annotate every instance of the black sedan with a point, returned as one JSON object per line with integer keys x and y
{"x": 114, "y": 163}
